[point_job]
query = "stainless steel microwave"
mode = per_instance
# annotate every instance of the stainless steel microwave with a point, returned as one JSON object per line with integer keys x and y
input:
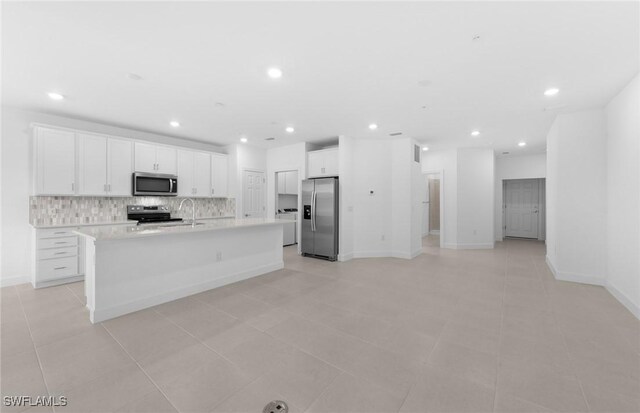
{"x": 154, "y": 184}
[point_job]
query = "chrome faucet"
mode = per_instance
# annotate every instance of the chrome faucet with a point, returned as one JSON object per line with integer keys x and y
{"x": 193, "y": 210}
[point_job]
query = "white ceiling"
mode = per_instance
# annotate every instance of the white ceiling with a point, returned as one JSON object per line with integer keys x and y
{"x": 409, "y": 67}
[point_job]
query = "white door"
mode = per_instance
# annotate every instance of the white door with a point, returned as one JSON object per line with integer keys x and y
{"x": 145, "y": 157}
{"x": 185, "y": 173}
{"x": 425, "y": 205}
{"x": 522, "y": 208}
{"x": 56, "y": 162}
{"x": 119, "y": 167}
{"x": 166, "y": 160}
{"x": 219, "y": 165}
{"x": 201, "y": 174}
{"x": 253, "y": 184}
{"x": 92, "y": 165}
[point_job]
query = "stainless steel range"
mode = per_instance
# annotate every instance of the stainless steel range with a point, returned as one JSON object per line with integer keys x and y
{"x": 152, "y": 214}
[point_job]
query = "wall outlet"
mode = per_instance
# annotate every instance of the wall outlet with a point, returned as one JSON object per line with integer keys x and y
{"x": 218, "y": 256}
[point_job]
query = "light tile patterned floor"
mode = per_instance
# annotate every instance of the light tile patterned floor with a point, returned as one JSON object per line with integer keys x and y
{"x": 449, "y": 331}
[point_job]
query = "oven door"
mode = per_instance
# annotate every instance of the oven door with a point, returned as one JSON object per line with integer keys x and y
{"x": 154, "y": 184}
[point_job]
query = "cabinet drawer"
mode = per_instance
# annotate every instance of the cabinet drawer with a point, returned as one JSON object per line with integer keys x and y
{"x": 56, "y": 233}
{"x": 58, "y": 242}
{"x": 57, "y": 268}
{"x": 57, "y": 253}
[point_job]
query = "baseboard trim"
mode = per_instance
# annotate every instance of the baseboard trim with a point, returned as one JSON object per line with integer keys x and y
{"x": 485, "y": 246}
{"x": 137, "y": 305}
{"x": 371, "y": 254}
{"x": 406, "y": 256}
{"x": 435, "y": 232}
{"x": 10, "y": 281}
{"x": 573, "y": 277}
{"x": 345, "y": 257}
{"x": 624, "y": 299}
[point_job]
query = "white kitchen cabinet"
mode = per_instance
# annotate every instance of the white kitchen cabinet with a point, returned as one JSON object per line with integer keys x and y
{"x": 323, "y": 163}
{"x": 219, "y": 175}
{"x": 104, "y": 166}
{"x": 155, "y": 158}
{"x": 194, "y": 173}
{"x": 55, "y": 162}
{"x": 92, "y": 164}
{"x": 57, "y": 257}
{"x": 291, "y": 182}
{"x": 282, "y": 183}
{"x": 119, "y": 167}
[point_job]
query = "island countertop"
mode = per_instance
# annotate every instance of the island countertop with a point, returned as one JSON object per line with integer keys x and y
{"x": 114, "y": 232}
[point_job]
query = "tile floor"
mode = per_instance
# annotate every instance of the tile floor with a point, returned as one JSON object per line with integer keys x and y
{"x": 449, "y": 331}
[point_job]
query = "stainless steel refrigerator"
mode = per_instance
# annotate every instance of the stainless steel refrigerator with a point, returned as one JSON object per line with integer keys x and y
{"x": 320, "y": 218}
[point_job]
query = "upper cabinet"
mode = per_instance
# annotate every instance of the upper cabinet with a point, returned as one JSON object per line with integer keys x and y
{"x": 55, "y": 160}
{"x": 104, "y": 165}
{"x": 288, "y": 183}
{"x": 69, "y": 162}
{"x": 219, "y": 181}
{"x": 323, "y": 163}
{"x": 155, "y": 158}
{"x": 194, "y": 173}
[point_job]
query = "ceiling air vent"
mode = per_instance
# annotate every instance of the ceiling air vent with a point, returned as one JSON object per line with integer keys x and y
{"x": 505, "y": 153}
{"x": 269, "y": 139}
{"x": 395, "y": 134}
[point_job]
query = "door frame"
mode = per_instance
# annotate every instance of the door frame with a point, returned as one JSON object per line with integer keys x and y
{"x": 264, "y": 192}
{"x": 440, "y": 172}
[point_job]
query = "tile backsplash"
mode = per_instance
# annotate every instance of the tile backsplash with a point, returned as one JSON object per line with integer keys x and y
{"x": 63, "y": 210}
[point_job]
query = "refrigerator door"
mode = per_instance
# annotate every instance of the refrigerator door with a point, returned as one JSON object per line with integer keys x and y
{"x": 326, "y": 218}
{"x": 307, "y": 237}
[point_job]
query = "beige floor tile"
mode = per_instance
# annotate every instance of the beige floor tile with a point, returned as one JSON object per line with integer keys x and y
{"x": 253, "y": 398}
{"x": 348, "y": 394}
{"x": 406, "y": 341}
{"x": 16, "y": 338}
{"x": 20, "y": 375}
{"x": 437, "y": 391}
{"x": 201, "y": 388}
{"x": 506, "y": 403}
{"x": 541, "y": 385}
{"x": 471, "y": 337}
{"x": 392, "y": 371}
{"x": 197, "y": 318}
{"x": 187, "y": 355}
{"x": 472, "y": 365}
{"x": 325, "y": 343}
{"x": 269, "y": 319}
{"x": 615, "y": 377}
{"x": 536, "y": 350}
{"x": 108, "y": 392}
{"x": 66, "y": 364}
{"x": 59, "y": 326}
{"x": 153, "y": 402}
{"x": 606, "y": 401}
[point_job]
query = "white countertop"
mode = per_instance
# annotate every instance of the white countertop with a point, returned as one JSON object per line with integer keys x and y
{"x": 123, "y": 222}
{"x": 113, "y": 232}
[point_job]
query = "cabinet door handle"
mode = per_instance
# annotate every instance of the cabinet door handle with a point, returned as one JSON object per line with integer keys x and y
{"x": 105, "y": 188}
{"x": 61, "y": 242}
{"x": 60, "y": 268}
{"x": 73, "y": 186}
{"x": 213, "y": 191}
{"x": 60, "y": 253}
{"x": 60, "y": 232}
{"x": 109, "y": 186}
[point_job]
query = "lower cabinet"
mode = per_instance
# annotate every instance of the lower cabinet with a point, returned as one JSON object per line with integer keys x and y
{"x": 58, "y": 257}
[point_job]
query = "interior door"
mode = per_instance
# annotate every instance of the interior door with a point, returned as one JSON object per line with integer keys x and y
{"x": 325, "y": 217}
{"x": 425, "y": 206}
{"x": 253, "y": 184}
{"x": 522, "y": 209}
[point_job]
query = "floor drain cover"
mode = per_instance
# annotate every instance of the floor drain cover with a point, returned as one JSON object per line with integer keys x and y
{"x": 276, "y": 406}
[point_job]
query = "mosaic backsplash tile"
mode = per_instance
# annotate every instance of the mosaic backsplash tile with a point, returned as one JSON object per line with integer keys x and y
{"x": 64, "y": 210}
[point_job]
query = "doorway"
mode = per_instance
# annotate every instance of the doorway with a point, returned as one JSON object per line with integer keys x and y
{"x": 253, "y": 202}
{"x": 523, "y": 208}
{"x": 432, "y": 209}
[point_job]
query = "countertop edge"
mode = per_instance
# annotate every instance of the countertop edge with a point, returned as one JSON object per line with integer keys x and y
{"x": 99, "y": 224}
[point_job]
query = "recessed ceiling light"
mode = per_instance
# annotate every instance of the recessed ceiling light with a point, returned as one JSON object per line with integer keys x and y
{"x": 552, "y": 91}
{"x": 243, "y": 140}
{"x": 174, "y": 123}
{"x": 522, "y": 144}
{"x": 55, "y": 96}
{"x": 373, "y": 126}
{"x": 290, "y": 129}
{"x": 425, "y": 148}
{"x": 475, "y": 133}
{"x": 274, "y": 73}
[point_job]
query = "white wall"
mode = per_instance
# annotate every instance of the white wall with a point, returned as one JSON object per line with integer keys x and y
{"x": 515, "y": 167}
{"x": 16, "y": 163}
{"x": 346, "y": 156}
{"x": 468, "y": 184}
{"x": 476, "y": 186}
{"x": 623, "y": 193}
{"x": 576, "y": 196}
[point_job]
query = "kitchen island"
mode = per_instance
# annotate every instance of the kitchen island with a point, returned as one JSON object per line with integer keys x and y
{"x": 129, "y": 268}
